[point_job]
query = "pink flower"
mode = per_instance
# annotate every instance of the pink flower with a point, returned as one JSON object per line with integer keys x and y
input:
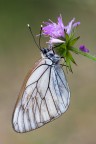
{"x": 56, "y": 31}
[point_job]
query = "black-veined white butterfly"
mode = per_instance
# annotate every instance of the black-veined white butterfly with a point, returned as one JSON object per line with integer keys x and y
{"x": 44, "y": 96}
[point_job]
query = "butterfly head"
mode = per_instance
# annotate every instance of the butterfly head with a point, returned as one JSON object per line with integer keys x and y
{"x": 50, "y": 54}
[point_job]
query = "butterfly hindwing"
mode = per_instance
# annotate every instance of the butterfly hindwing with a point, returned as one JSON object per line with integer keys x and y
{"x": 45, "y": 96}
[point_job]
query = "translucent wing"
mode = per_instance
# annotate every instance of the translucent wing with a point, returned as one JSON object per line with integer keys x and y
{"x": 44, "y": 96}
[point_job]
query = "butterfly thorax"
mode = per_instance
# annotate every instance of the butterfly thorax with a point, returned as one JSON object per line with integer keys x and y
{"x": 50, "y": 54}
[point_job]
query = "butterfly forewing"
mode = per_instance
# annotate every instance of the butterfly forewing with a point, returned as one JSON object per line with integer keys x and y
{"x": 44, "y": 96}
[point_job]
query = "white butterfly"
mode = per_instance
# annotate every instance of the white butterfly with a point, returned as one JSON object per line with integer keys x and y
{"x": 44, "y": 96}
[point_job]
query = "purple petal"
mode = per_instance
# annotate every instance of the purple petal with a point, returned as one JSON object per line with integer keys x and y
{"x": 69, "y": 26}
{"x": 84, "y": 49}
{"x": 76, "y": 24}
{"x": 60, "y": 22}
{"x": 55, "y": 40}
{"x": 55, "y": 30}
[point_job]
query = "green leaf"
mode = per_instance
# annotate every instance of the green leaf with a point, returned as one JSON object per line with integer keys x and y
{"x": 71, "y": 58}
{"x": 73, "y": 41}
{"x": 60, "y": 50}
{"x": 68, "y": 64}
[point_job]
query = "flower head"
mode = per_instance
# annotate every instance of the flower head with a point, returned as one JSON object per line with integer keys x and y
{"x": 57, "y": 30}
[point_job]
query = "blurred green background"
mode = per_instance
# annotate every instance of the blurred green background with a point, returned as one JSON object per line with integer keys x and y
{"x": 18, "y": 53}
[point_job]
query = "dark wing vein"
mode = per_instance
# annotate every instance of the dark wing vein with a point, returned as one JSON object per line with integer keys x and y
{"x": 52, "y": 94}
{"x": 58, "y": 85}
{"x": 41, "y": 74}
{"x": 34, "y": 88}
{"x": 66, "y": 87}
{"x": 61, "y": 79}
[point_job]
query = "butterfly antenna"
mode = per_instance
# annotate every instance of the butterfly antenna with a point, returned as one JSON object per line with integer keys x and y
{"x": 33, "y": 36}
{"x": 40, "y": 36}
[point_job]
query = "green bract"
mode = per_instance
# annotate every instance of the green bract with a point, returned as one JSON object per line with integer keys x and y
{"x": 65, "y": 50}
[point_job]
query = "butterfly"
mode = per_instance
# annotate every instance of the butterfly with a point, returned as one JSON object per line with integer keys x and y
{"x": 44, "y": 96}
